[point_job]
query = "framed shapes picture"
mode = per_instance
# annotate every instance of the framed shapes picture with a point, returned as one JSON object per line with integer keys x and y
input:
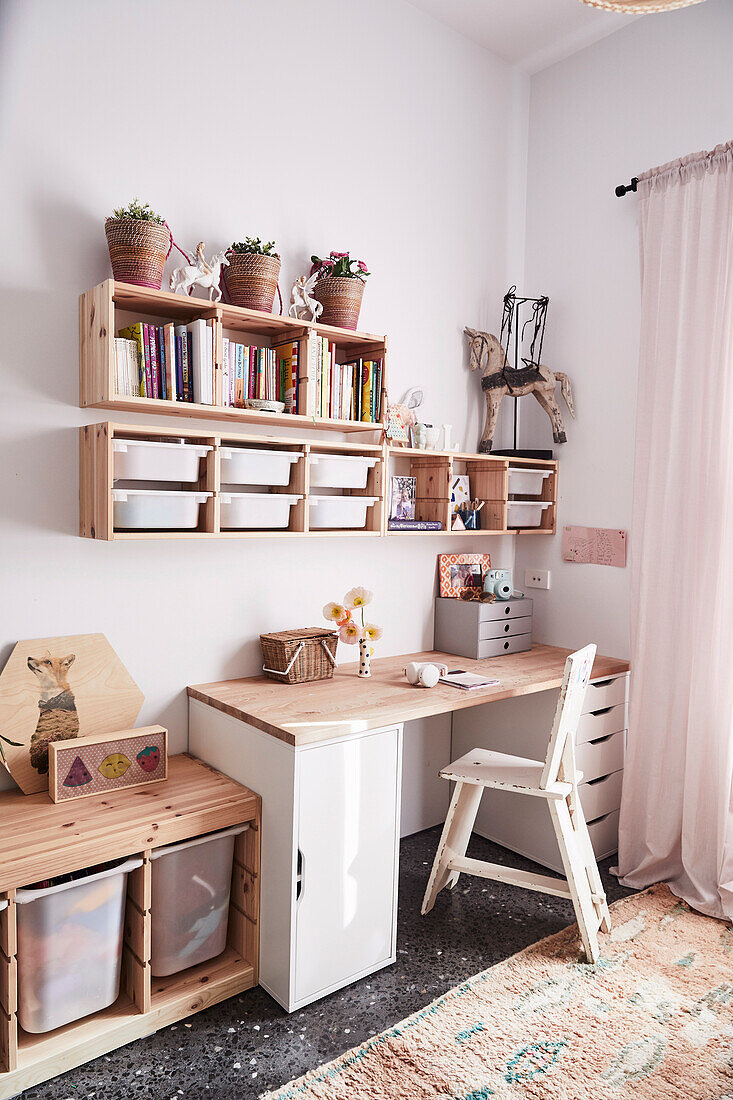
{"x": 459, "y": 573}
{"x": 108, "y": 762}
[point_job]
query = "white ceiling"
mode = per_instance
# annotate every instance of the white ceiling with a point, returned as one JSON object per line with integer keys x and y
{"x": 530, "y": 33}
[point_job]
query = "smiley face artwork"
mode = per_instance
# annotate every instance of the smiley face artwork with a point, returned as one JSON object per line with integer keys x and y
{"x": 114, "y": 766}
{"x": 149, "y": 758}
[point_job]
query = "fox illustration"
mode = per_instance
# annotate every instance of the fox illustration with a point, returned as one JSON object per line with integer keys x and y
{"x": 57, "y": 720}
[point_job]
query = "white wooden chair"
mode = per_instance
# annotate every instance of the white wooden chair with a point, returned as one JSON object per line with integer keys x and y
{"x": 555, "y": 779}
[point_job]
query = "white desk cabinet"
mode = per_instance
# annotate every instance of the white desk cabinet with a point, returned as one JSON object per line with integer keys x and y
{"x": 329, "y": 859}
{"x": 522, "y": 727}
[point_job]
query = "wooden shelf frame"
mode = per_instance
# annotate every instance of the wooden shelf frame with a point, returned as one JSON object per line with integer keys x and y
{"x": 44, "y": 840}
{"x": 96, "y": 481}
{"x": 111, "y": 305}
{"x": 488, "y": 479}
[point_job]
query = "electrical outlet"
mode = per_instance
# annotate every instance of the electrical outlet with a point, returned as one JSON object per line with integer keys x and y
{"x": 537, "y": 578}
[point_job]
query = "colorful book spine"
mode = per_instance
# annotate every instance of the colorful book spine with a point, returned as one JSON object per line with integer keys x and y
{"x": 160, "y": 347}
{"x": 366, "y": 391}
{"x": 414, "y": 525}
{"x": 136, "y": 332}
{"x": 188, "y": 360}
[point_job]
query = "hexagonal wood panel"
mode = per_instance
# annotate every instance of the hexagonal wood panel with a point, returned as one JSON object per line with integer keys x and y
{"x": 52, "y": 689}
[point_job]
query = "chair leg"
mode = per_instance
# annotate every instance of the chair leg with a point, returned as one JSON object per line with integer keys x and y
{"x": 453, "y": 840}
{"x": 574, "y": 862}
{"x": 591, "y": 868}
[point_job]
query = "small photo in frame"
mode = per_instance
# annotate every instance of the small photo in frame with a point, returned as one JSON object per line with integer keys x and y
{"x": 402, "y": 498}
{"x": 461, "y": 573}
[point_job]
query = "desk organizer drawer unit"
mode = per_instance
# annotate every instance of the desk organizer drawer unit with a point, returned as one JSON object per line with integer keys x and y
{"x": 522, "y": 727}
{"x": 482, "y": 630}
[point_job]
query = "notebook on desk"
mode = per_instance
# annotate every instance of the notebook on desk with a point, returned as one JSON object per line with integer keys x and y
{"x": 467, "y": 680}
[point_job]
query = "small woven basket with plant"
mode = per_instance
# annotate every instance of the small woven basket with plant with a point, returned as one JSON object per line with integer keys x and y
{"x": 339, "y": 288}
{"x": 139, "y": 242}
{"x": 252, "y": 275}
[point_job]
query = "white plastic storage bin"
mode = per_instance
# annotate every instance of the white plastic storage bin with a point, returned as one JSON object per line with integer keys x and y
{"x": 527, "y": 482}
{"x": 526, "y": 513}
{"x": 70, "y": 948}
{"x": 339, "y": 511}
{"x": 156, "y": 509}
{"x": 144, "y": 460}
{"x": 340, "y": 471}
{"x": 254, "y": 510}
{"x": 190, "y": 900}
{"x": 256, "y": 467}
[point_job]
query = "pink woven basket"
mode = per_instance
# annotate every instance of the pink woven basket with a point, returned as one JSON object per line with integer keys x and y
{"x": 137, "y": 250}
{"x": 341, "y": 301}
{"x": 251, "y": 280}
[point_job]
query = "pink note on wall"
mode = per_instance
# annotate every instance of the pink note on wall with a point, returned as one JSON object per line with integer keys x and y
{"x": 594, "y": 545}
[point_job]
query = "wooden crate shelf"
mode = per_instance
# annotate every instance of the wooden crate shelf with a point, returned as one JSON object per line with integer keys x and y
{"x": 489, "y": 482}
{"x": 111, "y": 305}
{"x": 40, "y": 839}
{"x": 96, "y": 482}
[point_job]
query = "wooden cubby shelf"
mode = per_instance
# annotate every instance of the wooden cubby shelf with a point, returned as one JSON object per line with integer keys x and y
{"x": 40, "y": 839}
{"x": 111, "y": 305}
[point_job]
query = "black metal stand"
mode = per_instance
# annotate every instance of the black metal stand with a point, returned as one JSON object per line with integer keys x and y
{"x": 513, "y": 327}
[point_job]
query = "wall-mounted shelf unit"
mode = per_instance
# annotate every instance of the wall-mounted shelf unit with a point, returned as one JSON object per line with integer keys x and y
{"x": 40, "y": 840}
{"x": 490, "y": 480}
{"x": 111, "y": 305}
{"x": 220, "y": 463}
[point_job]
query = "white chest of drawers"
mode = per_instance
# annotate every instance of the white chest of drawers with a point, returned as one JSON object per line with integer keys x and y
{"x": 522, "y": 727}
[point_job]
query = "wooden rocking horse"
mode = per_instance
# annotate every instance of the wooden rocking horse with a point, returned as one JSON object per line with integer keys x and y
{"x": 499, "y": 379}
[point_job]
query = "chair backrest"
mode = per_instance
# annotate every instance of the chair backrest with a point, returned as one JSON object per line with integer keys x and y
{"x": 578, "y": 668}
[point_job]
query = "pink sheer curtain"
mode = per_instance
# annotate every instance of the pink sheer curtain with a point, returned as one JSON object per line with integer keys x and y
{"x": 677, "y": 811}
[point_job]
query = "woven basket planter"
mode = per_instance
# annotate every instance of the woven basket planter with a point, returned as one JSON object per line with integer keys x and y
{"x": 137, "y": 250}
{"x": 251, "y": 280}
{"x": 341, "y": 301}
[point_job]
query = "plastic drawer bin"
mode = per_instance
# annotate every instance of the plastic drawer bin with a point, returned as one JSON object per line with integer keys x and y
{"x": 526, "y": 513}
{"x": 339, "y": 511}
{"x": 156, "y": 509}
{"x": 190, "y": 901}
{"x": 70, "y": 948}
{"x": 340, "y": 471}
{"x": 256, "y": 467}
{"x": 255, "y": 510}
{"x": 527, "y": 483}
{"x": 145, "y": 460}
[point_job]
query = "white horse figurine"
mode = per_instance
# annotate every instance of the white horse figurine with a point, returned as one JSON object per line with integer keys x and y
{"x": 301, "y": 300}
{"x": 201, "y": 273}
{"x": 498, "y": 380}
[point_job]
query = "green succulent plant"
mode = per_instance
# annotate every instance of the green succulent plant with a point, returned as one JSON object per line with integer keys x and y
{"x": 139, "y": 212}
{"x": 255, "y": 245}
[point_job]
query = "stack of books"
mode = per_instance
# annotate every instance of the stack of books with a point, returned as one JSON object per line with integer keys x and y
{"x": 343, "y": 391}
{"x": 269, "y": 373}
{"x": 168, "y": 362}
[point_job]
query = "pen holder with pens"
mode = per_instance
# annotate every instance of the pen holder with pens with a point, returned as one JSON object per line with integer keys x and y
{"x": 471, "y": 518}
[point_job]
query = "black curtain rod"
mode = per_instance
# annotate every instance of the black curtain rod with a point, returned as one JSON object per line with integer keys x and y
{"x": 624, "y": 188}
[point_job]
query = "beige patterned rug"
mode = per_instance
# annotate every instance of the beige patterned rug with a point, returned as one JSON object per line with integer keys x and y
{"x": 653, "y": 1020}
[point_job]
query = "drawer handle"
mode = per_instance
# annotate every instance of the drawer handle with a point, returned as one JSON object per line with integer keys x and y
{"x": 600, "y": 779}
{"x": 598, "y": 820}
{"x": 598, "y": 713}
{"x": 507, "y": 610}
{"x": 506, "y": 645}
{"x": 507, "y": 626}
{"x": 600, "y": 684}
{"x": 600, "y": 740}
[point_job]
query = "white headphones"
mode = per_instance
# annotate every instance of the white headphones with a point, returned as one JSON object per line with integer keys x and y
{"x": 424, "y": 675}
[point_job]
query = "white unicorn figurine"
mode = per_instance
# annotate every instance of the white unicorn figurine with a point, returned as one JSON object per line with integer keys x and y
{"x": 301, "y": 301}
{"x": 201, "y": 273}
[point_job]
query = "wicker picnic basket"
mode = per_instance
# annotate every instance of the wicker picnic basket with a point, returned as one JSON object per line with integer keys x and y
{"x": 251, "y": 280}
{"x": 299, "y": 656}
{"x": 137, "y": 250}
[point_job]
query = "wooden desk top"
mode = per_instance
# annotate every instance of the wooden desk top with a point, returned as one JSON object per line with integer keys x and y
{"x": 303, "y": 714}
{"x": 40, "y": 839}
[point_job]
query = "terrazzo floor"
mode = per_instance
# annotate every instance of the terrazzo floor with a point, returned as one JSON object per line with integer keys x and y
{"x": 246, "y": 1045}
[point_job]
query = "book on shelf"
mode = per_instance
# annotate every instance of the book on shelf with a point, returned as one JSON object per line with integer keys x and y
{"x": 343, "y": 391}
{"x": 414, "y": 525}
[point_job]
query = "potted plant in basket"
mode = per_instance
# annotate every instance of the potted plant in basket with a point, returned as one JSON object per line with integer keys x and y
{"x": 139, "y": 241}
{"x": 339, "y": 288}
{"x": 254, "y": 269}
{"x": 351, "y": 631}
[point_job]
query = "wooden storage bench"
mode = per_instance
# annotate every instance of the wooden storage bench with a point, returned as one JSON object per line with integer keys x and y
{"x": 40, "y": 840}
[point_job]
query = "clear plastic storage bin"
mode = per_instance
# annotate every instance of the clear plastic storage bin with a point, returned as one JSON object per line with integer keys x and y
{"x": 156, "y": 509}
{"x": 190, "y": 903}
{"x": 70, "y": 948}
{"x": 339, "y": 511}
{"x": 527, "y": 483}
{"x": 243, "y": 511}
{"x": 341, "y": 471}
{"x": 146, "y": 460}
{"x": 240, "y": 466}
{"x": 526, "y": 513}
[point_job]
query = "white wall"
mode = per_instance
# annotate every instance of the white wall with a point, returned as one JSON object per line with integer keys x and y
{"x": 335, "y": 124}
{"x": 656, "y": 90}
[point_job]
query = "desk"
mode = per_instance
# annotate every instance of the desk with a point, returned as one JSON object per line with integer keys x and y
{"x": 327, "y": 757}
